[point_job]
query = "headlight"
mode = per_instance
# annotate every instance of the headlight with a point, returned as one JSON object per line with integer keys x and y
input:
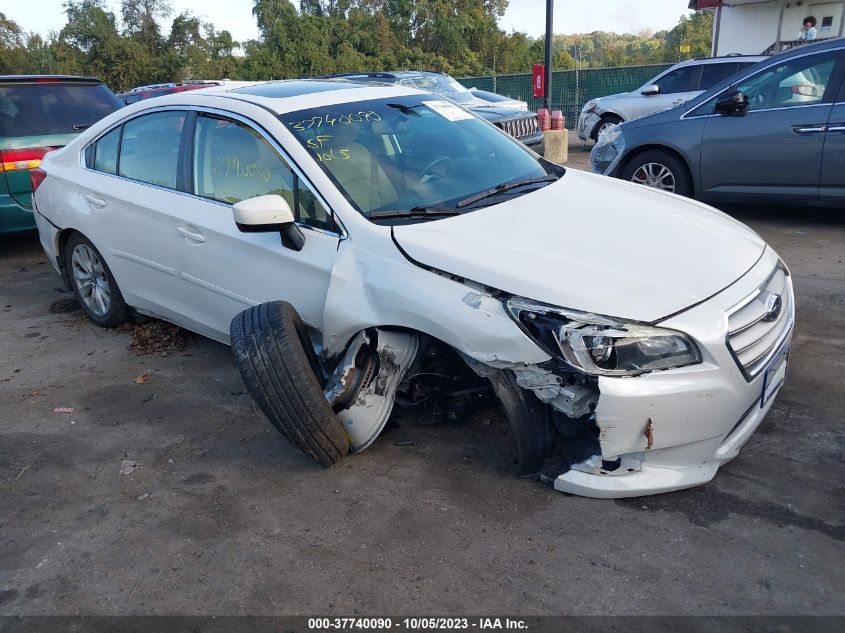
{"x": 601, "y": 345}
{"x": 589, "y": 106}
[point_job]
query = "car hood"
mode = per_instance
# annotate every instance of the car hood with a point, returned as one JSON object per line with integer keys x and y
{"x": 616, "y": 97}
{"x": 594, "y": 244}
{"x": 497, "y": 113}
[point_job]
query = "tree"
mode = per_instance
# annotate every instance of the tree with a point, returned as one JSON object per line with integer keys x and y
{"x": 139, "y": 21}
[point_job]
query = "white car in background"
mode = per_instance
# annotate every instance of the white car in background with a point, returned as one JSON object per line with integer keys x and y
{"x": 362, "y": 244}
{"x": 669, "y": 89}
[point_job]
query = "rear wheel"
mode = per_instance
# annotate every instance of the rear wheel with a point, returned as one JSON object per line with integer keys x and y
{"x": 93, "y": 284}
{"x": 282, "y": 374}
{"x": 659, "y": 170}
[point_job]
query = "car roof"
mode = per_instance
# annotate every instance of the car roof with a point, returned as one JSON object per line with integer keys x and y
{"x": 290, "y": 95}
{"x": 723, "y": 59}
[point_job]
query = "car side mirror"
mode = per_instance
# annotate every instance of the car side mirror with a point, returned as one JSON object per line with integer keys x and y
{"x": 269, "y": 214}
{"x": 650, "y": 91}
{"x": 734, "y": 104}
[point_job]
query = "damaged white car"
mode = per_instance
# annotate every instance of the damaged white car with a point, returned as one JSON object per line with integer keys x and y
{"x": 362, "y": 246}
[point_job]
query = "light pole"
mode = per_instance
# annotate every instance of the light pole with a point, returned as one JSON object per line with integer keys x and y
{"x": 547, "y": 88}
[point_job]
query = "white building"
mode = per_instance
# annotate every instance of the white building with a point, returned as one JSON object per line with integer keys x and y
{"x": 754, "y": 27}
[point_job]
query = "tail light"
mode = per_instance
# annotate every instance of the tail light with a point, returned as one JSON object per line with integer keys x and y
{"x": 805, "y": 90}
{"x": 22, "y": 159}
{"x": 36, "y": 177}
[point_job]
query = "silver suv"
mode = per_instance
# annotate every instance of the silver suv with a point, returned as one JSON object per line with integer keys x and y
{"x": 671, "y": 88}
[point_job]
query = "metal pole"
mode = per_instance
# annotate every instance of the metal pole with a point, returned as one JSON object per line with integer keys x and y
{"x": 842, "y": 20}
{"x": 780, "y": 26}
{"x": 717, "y": 27}
{"x": 547, "y": 88}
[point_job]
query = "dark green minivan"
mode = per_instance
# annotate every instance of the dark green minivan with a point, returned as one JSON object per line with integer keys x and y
{"x": 39, "y": 113}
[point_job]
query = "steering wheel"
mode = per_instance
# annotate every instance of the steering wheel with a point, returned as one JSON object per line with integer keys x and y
{"x": 425, "y": 172}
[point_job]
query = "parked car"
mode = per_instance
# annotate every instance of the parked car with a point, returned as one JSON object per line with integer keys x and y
{"x": 669, "y": 89}
{"x": 39, "y": 113}
{"x": 362, "y": 244}
{"x": 498, "y": 100}
{"x": 158, "y": 90}
{"x": 775, "y": 133}
{"x": 514, "y": 120}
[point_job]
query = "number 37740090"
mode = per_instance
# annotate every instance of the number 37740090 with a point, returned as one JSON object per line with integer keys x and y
{"x": 330, "y": 120}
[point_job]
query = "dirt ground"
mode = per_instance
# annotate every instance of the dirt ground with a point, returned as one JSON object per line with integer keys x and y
{"x": 150, "y": 484}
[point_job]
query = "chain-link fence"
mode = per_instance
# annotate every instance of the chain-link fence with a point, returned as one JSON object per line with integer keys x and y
{"x": 571, "y": 89}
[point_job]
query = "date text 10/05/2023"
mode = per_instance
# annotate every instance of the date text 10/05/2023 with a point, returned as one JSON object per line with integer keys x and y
{"x": 379, "y": 624}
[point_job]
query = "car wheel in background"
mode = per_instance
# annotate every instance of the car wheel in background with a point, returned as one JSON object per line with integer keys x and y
{"x": 93, "y": 284}
{"x": 659, "y": 170}
{"x": 282, "y": 374}
{"x": 607, "y": 121}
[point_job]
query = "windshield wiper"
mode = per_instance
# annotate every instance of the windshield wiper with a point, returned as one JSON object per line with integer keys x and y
{"x": 81, "y": 126}
{"x": 414, "y": 212}
{"x": 505, "y": 186}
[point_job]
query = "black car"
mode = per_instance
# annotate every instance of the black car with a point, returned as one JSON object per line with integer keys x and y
{"x": 521, "y": 124}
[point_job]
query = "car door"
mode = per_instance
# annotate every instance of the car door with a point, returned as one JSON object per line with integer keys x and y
{"x": 226, "y": 271}
{"x": 832, "y": 180}
{"x": 675, "y": 87}
{"x": 129, "y": 187}
{"x": 775, "y": 150}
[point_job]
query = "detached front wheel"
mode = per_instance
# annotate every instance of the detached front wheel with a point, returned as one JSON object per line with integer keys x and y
{"x": 659, "y": 170}
{"x": 282, "y": 374}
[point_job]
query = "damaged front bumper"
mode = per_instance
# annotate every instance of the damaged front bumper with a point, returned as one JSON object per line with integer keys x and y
{"x": 672, "y": 429}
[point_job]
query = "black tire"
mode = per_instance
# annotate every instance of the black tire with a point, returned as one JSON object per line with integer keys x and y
{"x": 675, "y": 166}
{"x": 281, "y": 372}
{"x": 607, "y": 119}
{"x": 117, "y": 311}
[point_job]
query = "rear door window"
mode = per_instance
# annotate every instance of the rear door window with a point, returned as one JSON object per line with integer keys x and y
{"x": 149, "y": 150}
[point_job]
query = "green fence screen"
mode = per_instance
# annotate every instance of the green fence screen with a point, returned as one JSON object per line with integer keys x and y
{"x": 571, "y": 89}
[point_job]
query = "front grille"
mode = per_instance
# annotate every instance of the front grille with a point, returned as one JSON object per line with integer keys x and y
{"x": 756, "y": 327}
{"x": 520, "y": 128}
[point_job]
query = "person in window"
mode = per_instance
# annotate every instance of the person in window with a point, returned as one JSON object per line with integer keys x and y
{"x": 808, "y": 31}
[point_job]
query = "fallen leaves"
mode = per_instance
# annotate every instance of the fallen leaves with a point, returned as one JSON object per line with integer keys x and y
{"x": 141, "y": 379}
{"x": 156, "y": 336}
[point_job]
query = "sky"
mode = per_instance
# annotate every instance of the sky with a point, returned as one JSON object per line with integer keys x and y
{"x": 528, "y": 16}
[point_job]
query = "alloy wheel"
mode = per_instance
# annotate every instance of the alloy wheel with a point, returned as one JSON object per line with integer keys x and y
{"x": 655, "y": 175}
{"x": 90, "y": 278}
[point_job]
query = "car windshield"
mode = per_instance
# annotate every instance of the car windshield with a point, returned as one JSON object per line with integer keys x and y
{"x": 414, "y": 153}
{"x": 442, "y": 85}
{"x": 47, "y": 107}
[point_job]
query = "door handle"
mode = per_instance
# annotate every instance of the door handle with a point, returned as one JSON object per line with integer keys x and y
{"x": 191, "y": 234}
{"x": 809, "y": 130}
{"x": 836, "y": 127}
{"x": 95, "y": 201}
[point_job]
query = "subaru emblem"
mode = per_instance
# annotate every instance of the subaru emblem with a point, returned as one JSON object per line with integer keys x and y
{"x": 774, "y": 304}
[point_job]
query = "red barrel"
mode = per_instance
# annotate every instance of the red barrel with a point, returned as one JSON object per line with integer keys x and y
{"x": 558, "y": 120}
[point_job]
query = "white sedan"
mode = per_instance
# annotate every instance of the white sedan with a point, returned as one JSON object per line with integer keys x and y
{"x": 362, "y": 245}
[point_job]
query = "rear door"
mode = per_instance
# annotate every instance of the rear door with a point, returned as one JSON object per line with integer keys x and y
{"x": 775, "y": 150}
{"x": 130, "y": 188}
{"x": 832, "y": 180}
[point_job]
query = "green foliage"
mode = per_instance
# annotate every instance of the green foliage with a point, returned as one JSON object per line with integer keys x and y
{"x": 313, "y": 37}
